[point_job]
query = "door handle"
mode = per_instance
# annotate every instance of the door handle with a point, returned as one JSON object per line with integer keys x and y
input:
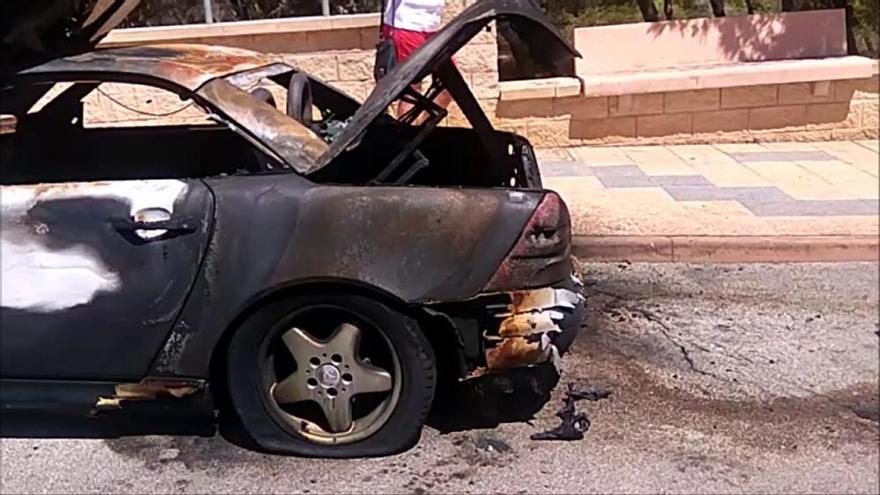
{"x": 177, "y": 225}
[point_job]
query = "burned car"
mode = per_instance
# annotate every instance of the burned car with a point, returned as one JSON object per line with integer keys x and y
{"x": 309, "y": 272}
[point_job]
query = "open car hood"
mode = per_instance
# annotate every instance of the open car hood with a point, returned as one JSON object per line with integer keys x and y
{"x": 34, "y": 31}
{"x": 546, "y": 44}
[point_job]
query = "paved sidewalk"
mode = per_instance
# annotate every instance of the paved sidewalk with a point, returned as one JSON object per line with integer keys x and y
{"x": 726, "y": 202}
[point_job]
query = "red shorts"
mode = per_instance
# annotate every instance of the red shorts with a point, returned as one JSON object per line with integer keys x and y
{"x": 405, "y": 41}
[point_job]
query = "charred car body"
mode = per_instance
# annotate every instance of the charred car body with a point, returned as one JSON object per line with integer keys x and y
{"x": 307, "y": 272}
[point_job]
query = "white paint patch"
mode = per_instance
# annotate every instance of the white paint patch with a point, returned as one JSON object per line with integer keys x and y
{"x": 39, "y": 279}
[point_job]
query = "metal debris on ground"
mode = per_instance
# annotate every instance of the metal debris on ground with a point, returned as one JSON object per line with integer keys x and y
{"x": 573, "y": 424}
{"x": 491, "y": 444}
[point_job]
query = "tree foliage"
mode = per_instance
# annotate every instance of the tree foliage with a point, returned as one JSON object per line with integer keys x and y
{"x": 567, "y": 14}
{"x": 163, "y": 12}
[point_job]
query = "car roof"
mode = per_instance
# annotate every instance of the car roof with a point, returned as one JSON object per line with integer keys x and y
{"x": 187, "y": 65}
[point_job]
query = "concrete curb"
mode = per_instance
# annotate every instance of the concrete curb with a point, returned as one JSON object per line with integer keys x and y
{"x": 727, "y": 249}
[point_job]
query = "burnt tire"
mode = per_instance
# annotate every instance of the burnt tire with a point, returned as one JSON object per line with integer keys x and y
{"x": 269, "y": 429}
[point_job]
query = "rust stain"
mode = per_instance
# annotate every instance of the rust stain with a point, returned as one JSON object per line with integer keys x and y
{"x": 515, "y": 352}
{"x": 525, "y": 324}
{"x": 7, "y": 124}
{"x": 190, "y": 65}
{"x": 149, "y": 390}
{"x": 296, "y": 144}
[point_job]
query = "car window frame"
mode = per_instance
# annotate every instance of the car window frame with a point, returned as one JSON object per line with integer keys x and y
{"x": 20, "y": 109}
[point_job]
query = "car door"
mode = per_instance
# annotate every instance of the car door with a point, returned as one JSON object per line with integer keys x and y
{"x": 94, "y": 273}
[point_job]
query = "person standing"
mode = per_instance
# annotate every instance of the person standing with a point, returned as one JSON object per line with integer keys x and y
{"x": 407, "y": 25}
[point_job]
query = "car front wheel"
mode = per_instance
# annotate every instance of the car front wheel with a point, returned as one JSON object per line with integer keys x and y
{"x": 330, "y": 375}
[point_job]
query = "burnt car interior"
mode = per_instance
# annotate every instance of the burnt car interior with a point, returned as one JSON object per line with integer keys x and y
{"x": 79, "y": 153}
{"x": 416, "y": 150}
{"x": 413, "y": 150}
{"x": 350, "y": 143}
{"x": 407, "y": 152}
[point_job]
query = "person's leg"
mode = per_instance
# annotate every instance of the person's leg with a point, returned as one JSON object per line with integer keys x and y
{"x": 404, "y": 107}
{"x": 405, "y": 43}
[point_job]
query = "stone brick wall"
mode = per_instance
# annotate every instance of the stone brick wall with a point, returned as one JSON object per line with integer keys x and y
{"x": 339, "y": 49}
{"x": 820, "y": 110}
{"x": 551, "y": 112}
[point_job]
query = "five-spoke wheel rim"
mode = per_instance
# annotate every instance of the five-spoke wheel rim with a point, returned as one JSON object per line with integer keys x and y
{"x": 338, "y": 359}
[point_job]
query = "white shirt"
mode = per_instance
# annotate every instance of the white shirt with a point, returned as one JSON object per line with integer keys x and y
{"x": 414, "y": 15}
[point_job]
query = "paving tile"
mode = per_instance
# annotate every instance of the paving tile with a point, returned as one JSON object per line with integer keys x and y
{"x": 636, "y": 198}
{"x": 650, "y": 210}
{"x": 658, "y": 160}
{"x": 780, "y": 189}
{"x": 800, "y": 182}
{"x": 848, "y": 225}
{"x": 705, "y": 218}
{"x": 730, "y": 175}
{"x": 822, "y": 191}
{"x": 626, "y": 181}
{"x": 680, "y": 181}
{"x": 839, "y": 172}
{"x": 786, "y": 146}
{"x": 575, "y": 187}
{"x": 813, "y": 208}
{"x": 622, "y": 176}
{"x": 593, "y": 211}
{"x": 565, "y": 169}
{"x": 724, "y": 218}
{"x": 778, "y": 173}
{"x": 553, "y": 155}
{"x": 739, "y": 147}
{"x": 601, "y": 156}
{"x": 781, "y": 156}
{"x": 714, "y": 193}
{"x": 701, "y": 154}
{"x": 871, "y": 144}
{"x": 856, "y": 155}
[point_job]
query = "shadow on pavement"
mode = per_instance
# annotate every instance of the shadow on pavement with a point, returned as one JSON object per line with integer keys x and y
{"x": 490, "y": 400}
{"x": 189, "y": 416}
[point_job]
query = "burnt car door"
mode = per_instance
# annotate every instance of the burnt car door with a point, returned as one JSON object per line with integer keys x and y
{"x": 96, "y": 262}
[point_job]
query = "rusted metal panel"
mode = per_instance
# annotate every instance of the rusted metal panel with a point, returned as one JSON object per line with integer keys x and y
{"x": 528, "y": 326}
{"x": 186, "y": 65}
{"x": 516, "y": 352}
{"x": 7, "y": 124}
{"x": 540, "y": 300}
{"x": 149, "y": 389}
{"x": 293, "y": 142}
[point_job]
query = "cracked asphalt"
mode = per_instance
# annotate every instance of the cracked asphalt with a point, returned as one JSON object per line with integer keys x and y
{"x": 725, "y": 379}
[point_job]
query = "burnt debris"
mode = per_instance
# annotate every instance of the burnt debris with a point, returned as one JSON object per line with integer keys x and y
{"x": 573, "y": 424}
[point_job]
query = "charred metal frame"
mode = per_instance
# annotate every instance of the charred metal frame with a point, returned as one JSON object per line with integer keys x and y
{"x": 422, "y": 104}
{"x": 266, "y": 235}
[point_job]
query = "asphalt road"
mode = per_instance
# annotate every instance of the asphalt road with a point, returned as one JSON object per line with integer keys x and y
{"x": 725, "y": 378}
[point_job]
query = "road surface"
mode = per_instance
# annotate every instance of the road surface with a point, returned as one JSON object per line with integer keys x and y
{"x": 725, "y": 378}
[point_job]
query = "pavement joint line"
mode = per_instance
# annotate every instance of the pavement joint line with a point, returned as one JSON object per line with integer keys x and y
{"x": 863, "y": 145}
{"x": 738, "y": 249}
